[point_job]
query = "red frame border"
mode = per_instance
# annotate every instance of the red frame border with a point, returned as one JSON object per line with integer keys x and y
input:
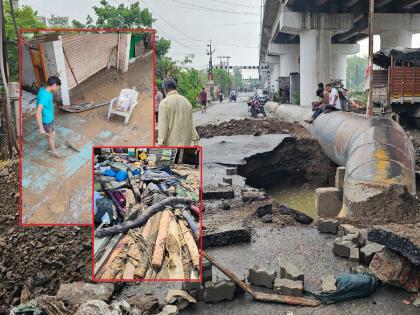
{"x": 72, "y": 30}
{"x": 200, "y": 212}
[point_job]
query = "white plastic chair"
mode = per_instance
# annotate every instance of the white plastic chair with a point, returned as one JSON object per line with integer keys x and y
{"x": 132, "y": 95}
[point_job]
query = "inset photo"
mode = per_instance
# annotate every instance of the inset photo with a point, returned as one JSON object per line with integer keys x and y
{"x": 147, "y": 217}
{"x": 80, "y": 88}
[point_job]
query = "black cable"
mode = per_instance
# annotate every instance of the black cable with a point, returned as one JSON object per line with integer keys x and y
{"x": 12, "y": 13}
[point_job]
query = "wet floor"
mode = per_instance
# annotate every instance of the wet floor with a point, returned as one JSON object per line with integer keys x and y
{"x": 295, "y": 197}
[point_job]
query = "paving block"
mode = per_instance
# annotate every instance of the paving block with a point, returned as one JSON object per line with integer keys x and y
{"x": 219, "y": 291}
{"x": 288, "y": 287}
{"x": 207, "y": 272}
{"x": 368, "y": 251}
{"x": 328, "y": 226}
{"x": 354, "y": 254}
{"x": 328, "y": 202}
{"x": 189, "y": 286}
{"x": 342, "y": 247}
{"x": 328, "y": 284}
{"x": 228, "y": 180}
{"x": 261, "y": 277}
{"x": 264, "y": 209}
{"x": 231, "y": 171}
{"x": 291, "y": 272}
{"x": 339, "y": 177}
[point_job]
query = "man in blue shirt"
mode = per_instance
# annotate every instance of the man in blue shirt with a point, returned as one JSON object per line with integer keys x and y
{"x": 45, "y": 111}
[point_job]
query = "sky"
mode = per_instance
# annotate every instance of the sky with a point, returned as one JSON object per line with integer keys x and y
{"x": 233, "y": 26}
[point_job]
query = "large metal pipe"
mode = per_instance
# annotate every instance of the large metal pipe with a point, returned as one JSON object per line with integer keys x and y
{"x": 376, "y": 152}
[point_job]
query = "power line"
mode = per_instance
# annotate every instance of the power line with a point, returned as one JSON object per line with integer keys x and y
{"x": 198, "y": 7}
{"x": 235, "y": 4}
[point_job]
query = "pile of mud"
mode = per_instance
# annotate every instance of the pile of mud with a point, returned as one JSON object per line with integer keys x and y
{"x": 36, "y": 258}
{"x": 394, "y": 205}
{"x": 250, "y": 126}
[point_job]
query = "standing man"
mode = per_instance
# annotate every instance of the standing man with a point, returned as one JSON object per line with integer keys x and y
{"x": 176, "y": 126}
{"x": 45, "y": 112}
{"x": 203, "y": 100}
{"x": 158, "y": 99}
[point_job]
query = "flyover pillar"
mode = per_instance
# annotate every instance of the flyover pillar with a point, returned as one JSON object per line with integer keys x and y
{"x": 339, "y": 54}
{"x": 315, "y": 62}
{"x": 398, "y": 38}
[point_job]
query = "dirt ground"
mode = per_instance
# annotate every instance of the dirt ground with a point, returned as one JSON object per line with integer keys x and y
{"x": 39, "y": 258}
{"x": 59, "y": 191}
{"x": 251, "y": 126}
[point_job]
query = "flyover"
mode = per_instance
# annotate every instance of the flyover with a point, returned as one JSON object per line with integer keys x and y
{"x": 313, "y": 38}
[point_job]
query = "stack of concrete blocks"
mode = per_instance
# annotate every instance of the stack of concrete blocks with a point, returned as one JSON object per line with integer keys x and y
{"x": 352, "y": 243}
{"x": 290, "y": 281}
{"x": 329, "y": 200}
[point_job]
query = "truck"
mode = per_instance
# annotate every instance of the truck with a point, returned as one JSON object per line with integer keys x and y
{"x": 396, "y": 83}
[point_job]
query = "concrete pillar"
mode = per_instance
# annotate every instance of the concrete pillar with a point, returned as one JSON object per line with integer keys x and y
{"x": 289, "y": 63}
{"x": 397, "y": 38}
{"x": 339, "y": 67}
{"x": 315, "y": 62}
{"x": 123, "y": 52}
{"x": 61, "y": 71}
{"x": 275, "y": 74}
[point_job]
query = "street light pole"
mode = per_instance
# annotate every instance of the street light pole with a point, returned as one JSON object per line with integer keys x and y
{"x": 369, "y": 107}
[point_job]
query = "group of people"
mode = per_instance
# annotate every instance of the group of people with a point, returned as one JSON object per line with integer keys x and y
{"x": 330, "y": 99}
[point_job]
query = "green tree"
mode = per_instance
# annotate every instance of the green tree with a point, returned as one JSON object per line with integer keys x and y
{"x": 162, "y": 46}
{"x": 237, "y": 78}
{"x": 221, "y": 78}
{"x": 189, "y": 84}
{"x": 356, "y": 66}
{"x": 26, "y": 17}
{"x": 121, "y": 16}
{"x": 166, "y": 67}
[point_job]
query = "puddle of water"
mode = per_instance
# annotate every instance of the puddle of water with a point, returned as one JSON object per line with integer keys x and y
{"x": 295, "y": 197}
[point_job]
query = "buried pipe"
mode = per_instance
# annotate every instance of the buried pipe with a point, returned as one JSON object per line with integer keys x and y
{"x": 376, "y": 151}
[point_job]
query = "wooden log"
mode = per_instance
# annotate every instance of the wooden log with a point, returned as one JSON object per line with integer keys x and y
{"x": 173, "y": 246}
{"x": 259, "y": 296}
{"x": 186, "y": 257}
{"x": 159, "y": 251}
{"x": 117, "y": 249}
{"x": 192, "y": 246}
{"x": 129, "y": 270}
{"x": 145, "y": 262}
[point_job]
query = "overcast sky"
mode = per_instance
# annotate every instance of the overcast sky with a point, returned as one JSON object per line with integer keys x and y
{"x": 232, "y": 25}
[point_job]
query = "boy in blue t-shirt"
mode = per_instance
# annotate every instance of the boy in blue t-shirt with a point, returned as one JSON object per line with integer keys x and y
{"x": 45, "y": 111}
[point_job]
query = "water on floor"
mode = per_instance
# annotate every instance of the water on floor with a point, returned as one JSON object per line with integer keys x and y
{"x": 297, "y": 197}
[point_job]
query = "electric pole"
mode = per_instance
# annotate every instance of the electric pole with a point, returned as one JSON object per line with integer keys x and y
{"x": 369, "y": 71}
{"x": 227, "y": 66}
{"x": 210, "y": 53}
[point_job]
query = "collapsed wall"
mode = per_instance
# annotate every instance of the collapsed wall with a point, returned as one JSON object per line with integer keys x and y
{"x": 376, "y": 152}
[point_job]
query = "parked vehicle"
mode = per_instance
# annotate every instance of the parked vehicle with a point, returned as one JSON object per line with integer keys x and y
{"x": 262, "y": 96}
{"x": 256, "y": 107}
{"x": 396, "y": 84}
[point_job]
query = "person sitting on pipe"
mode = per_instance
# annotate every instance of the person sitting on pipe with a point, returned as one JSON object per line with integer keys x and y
{"x": 330, "y": 95}
{"x": 320, "y": 95}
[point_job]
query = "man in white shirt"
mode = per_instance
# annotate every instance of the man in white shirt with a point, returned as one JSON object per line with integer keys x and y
{"x": 334, "y": 97}
{"x": 333, "y": 100}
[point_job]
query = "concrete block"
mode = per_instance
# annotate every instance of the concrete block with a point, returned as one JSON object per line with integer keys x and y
{"x": 231, "y": 171}
{"x": 354, "y": 254}
{"x": 288, "y": 287}
{"x": 227, "y": 180}
{"x": 328, "y": 284}
{"x": 219, "y": 291}
{"x": 368, "y": 251}
{"x": 339, "y": 177}
{"x": 223, "y": 192}
{"x": 264, "y": 209}
{"x": 261, "y": 277}
{"x": 228, "y": 234}
{"x": 345, "y": 229}
{"x": 328, "y": 226}
{"x": 207, "y": 270}
{"x": 291, "y": 272}
{"x": 328, "y": 202}
{"x": 198, "y": 294}
{"x": 169, "y": 310}
{"x": 342, "y": 247}
{"x": 189, "y": 286}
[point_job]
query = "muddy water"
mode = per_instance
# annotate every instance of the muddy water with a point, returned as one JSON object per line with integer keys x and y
{"x": 295, "y": 197}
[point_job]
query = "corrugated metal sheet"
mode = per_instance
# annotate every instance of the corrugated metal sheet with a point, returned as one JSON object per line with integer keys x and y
{"x": 87, "y": 54}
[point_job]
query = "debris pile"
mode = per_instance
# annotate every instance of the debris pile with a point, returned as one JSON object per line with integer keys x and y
{"x": 35, "y": 260}
{"x": 147, "y": 216}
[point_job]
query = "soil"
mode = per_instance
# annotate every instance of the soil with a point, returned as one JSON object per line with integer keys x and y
{"x": 250, "y": 126}
{"x": 39, "y": 257}
{"x": 395, "y": 205}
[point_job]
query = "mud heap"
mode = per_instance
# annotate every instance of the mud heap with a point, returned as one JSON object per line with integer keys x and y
{"x": 36, "y": 258}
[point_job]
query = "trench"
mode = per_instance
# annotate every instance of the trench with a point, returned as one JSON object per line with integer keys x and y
{"x": 291, "y": 173}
